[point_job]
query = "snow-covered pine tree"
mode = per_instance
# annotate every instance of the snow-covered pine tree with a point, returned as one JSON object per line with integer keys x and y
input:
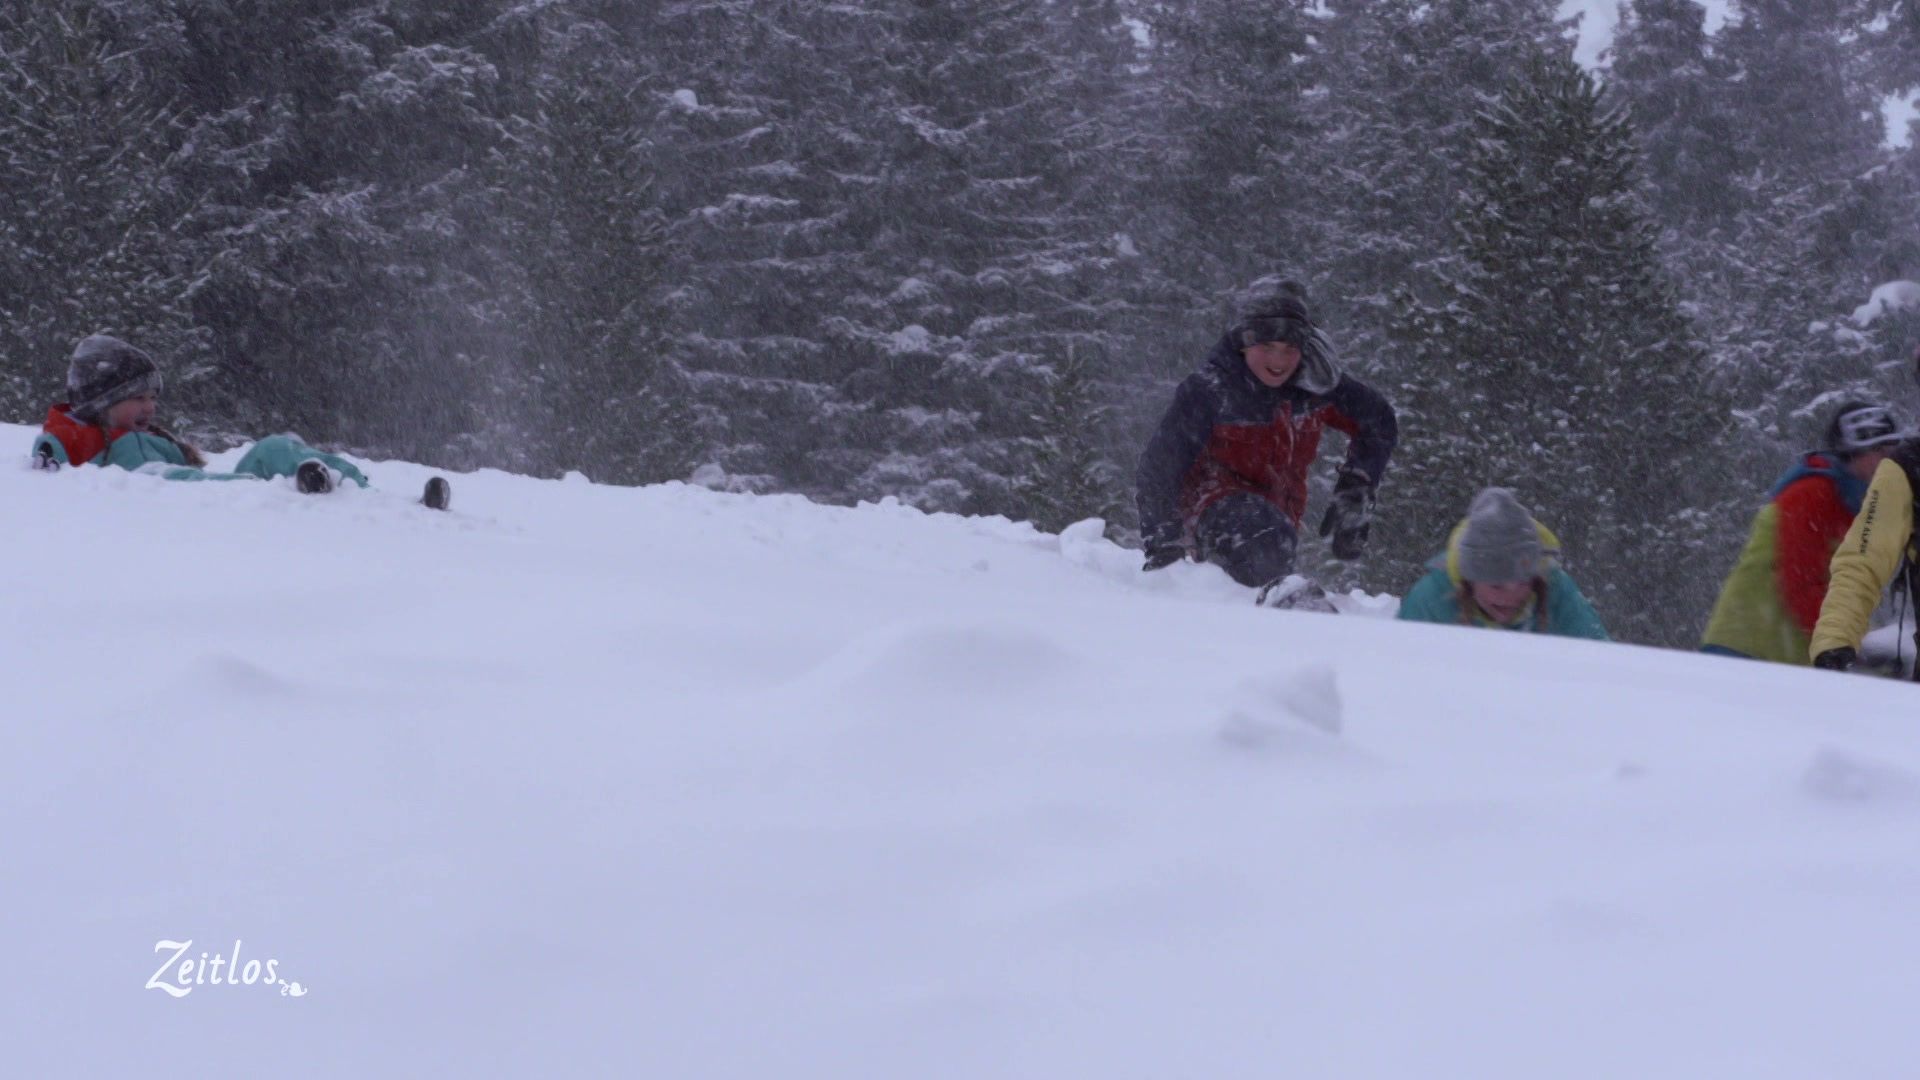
{"x": 973, "y": 266}
{"x": 1125, "y": 321}
{"x": 1232, "y": 81}
{"x": 88, "y": 244}
{"x": 1084, "y": 296}
{"x": 1803, "y": 115}
{"x": 757, "y": 167}
{"x": 350, "y": 279}
{"x": 590, "y": 247}
{"x": 1155, "y": 314}
{"x": 1888, "y": 41}
{"x": 1889, "y": 35}
{"x": 1553, "y": 358}
{"x": 1403, "y": 81}
{"x": 1784, "y": 241}
{"x": 1662, "y": 67}
{"x": 1068, "y": 476}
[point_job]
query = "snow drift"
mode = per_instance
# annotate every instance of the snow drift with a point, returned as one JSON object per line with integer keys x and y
{"x": 581, "y": 780}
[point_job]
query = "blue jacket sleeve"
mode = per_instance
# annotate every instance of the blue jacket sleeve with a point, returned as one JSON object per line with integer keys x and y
{"x": 1431, "y": 600}
{"x": 1572, "y": 615}
{"x": 1370, "y": 423}
{"x": 1176, "y": 443}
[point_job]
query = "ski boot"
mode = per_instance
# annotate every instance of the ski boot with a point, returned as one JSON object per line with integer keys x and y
{"x": 438, "y": 494}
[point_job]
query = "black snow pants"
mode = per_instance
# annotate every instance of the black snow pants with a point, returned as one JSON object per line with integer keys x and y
{"x": 1248, "y": 537}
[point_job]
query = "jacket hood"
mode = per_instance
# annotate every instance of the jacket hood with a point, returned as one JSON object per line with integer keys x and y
{"x": 1852, "y": 489}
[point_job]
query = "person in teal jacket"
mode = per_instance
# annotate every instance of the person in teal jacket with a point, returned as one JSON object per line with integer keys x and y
{"x": 1500, "y": 571}
{"x": 113, "y": 392}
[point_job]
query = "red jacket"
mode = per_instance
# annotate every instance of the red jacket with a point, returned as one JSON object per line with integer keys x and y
{"x": 83, "y": 442}
{"x": 1265, "y": 459}
{"x": 1228, "y": 433}
{"x": 1815, "y": 508}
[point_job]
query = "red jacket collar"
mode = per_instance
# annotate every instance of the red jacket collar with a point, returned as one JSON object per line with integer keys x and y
{"x": 83, "y": 441}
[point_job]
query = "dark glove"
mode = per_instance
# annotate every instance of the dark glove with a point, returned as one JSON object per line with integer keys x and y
{"x": 1840, "y": 659}
{"x": 43, "y": 459}
{"x": 1349, "y": 517}
{"x": 1161, "y": 556}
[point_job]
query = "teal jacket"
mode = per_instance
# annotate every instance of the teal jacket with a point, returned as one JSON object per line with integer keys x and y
{"x": 1435, "y": 598}
{"x": 147, "y": 452}
{"x": 1439, "y": 596}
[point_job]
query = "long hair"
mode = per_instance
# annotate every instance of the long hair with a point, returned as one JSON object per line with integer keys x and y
{"x": 187, "y": 450}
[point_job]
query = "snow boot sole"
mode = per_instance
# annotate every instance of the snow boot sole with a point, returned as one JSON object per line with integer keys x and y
{"x": 1296, "y": 593}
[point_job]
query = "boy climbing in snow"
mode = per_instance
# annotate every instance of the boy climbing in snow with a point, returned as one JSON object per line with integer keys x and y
{"x": 1224, "y": 478}
{"x": 1771, "y": 601}
{"x": 113, "y": 392}
{"x": 1500, "y": 571}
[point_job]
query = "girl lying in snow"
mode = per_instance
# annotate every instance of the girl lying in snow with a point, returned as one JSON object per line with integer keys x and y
{"x": 113, "y": 391}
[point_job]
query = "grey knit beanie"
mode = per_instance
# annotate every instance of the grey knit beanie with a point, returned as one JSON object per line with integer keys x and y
{"x": 104, "y": 371}
{"x": 1501, "y": 542}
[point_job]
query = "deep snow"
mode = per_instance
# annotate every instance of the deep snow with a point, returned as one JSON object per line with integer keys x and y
{"x": 583, "y": 780}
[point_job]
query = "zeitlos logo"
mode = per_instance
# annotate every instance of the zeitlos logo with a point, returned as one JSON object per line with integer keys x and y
{"x": 180, "y": 973}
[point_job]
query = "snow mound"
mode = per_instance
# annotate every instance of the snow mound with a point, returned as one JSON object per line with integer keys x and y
{"x": 1302, "y": 708}
{"x": 932, "y": 661}
{"x": 1837, "y": 775}
{"x": 579, "y": 779}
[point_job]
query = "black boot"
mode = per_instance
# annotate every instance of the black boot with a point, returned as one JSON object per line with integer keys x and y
{"x": 312, "y": 477}
{"x": 439, "y": 493}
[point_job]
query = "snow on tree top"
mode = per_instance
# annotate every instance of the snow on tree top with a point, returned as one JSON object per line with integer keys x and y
{"x": 1892, "y": 296}
{"x": 911, "y": 339}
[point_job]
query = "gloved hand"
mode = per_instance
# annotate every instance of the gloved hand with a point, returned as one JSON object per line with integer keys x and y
{"x": 43, "y": 459}
{"x": 1349, "y": 517}
{"x": 1840, "y": 659}
{"x": 1161, "y": 556}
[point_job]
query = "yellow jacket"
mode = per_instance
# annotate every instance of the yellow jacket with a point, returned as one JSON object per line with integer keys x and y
{"x": 1866, "y": 560}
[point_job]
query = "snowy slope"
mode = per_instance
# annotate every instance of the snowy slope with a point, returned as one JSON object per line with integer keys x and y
{"x": 588, "y": 781}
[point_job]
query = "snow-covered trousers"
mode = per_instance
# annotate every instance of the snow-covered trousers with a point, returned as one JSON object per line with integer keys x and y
{"x": 1248, "y": 537}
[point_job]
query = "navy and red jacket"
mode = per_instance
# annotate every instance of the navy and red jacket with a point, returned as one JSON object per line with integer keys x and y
{"x": 1226, "y": 433}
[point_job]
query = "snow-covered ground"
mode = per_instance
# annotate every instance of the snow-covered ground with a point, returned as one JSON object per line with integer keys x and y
{"x": 587, "y": 781}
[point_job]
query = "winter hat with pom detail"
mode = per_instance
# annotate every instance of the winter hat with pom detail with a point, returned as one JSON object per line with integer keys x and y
{"x": 104, "y": 371}
{"x": 1500, "y": 542}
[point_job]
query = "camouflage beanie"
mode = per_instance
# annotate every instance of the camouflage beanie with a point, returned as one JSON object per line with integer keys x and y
{"x": 105, "y": 371}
